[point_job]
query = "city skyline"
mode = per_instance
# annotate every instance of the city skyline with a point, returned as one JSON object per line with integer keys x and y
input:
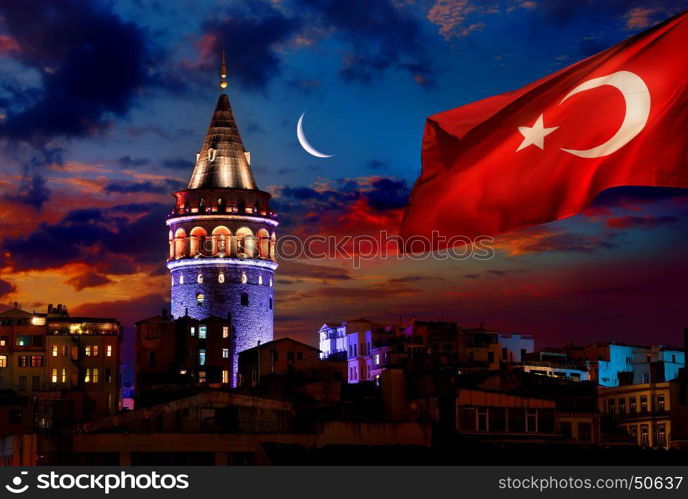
{"x": 89, "y": 167}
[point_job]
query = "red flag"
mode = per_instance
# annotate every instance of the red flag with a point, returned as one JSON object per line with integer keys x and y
{"x": 545, "y": 151}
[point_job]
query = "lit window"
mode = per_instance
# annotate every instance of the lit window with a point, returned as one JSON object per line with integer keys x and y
{"x": 3, "y": 360}
{"x": 53, "y": 375}
{"x": 55, "y": 350}
{"x": 221, "y": 277}
{"x": 173, "y": 281}
{"x": 65, "y": 351}
{"x": 201, "y": 356}
{"x": 200, "y": 298}
{"x": 225, "y": 331}
{"x": 95, "y": 375}
{"x": 377, "y": 359}
{"x": 108, "y": 351}
{"x": 192, "y": 331}
{"x": 87, "y": 376}
{"x": 95, "y": 350}
{"x": 225, "y": 353}
{"x": 87, "y": 350}
{"x": 201, "y": 377}
{"x": 181, "y": 279}
{"x": 271, "y": 282}
{"x": 3, "y": 342}
{"x": 64, "y": 375}
{"x": 260, "y": 280}
{"x": 244, "y": 279}
{"x": 199, "y": 279}
{"x": 225, "y": 376}
{"x": 202, "y": 332}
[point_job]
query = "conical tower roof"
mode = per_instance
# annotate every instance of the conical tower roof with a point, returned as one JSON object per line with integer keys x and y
{"x": 222, "y": 161}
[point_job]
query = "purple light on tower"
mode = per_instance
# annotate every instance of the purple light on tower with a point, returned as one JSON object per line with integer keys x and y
{"x": 222, "y": 239}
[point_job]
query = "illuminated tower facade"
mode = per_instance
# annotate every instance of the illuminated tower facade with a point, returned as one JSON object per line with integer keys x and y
{"x": 222, "y": 238}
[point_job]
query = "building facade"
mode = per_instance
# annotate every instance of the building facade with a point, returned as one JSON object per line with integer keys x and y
{"x": 51, "y": 360}
{"x": 643, "y": 411}
{"x": 183, "y": 351}
{"x": 222, "y": 238}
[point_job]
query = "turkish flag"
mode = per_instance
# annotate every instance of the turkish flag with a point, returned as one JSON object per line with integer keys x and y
{"x": 545, "y": 151}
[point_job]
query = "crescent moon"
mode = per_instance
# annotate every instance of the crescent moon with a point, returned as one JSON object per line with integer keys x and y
{"x": 637, "y": 99}
{"x": 304, "y": 142}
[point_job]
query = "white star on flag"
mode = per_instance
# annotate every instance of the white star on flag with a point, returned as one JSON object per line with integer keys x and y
{"x": 535, "y": 135}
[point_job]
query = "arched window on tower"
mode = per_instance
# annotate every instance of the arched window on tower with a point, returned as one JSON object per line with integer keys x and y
{"x": 221, "y": 278}
{"x": 200, "y": 298}
{"x": 171, "y": 241}
{"x": 273, "y": 245}
{"x": 263, "y": 244}
{"x": 245, "y": 243}
{"x": 244, "y": 299}
{"x": 197, "y": 237}
{"x": 199, "y": 279}
{"x": 179, "y": 243}
{"x": 221, "y": 238}
{"x": 244, "y": 279}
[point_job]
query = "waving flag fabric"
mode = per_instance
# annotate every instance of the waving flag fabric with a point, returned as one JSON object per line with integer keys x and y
{"x": 545, "y": 151}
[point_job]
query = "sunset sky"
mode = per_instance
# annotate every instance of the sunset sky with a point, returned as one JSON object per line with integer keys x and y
{"x": 103, "y": 106}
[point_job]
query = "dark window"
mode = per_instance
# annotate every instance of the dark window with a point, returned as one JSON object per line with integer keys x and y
{"x": 299, "y": 355}
{"x": 482, "y": 418}
{"x": 517, "y": 420}
{"x": 504, "y": 353}
{"x": 565, "y": 429}
{"x": 643, "y": 404}
{"x": 660, "y": 403}
{"x": 15, "y": 416}
{"x": 546, "y": 421}
{"x": 523, "y": 353}
{"x": 244, "y": 299}
{"x": 644, "y": 435}
{"x": 497, "y": 419}
{"x": 584, "y": 432}
{"x": 242, "y": 206}
{"x": 270, "y": 303}
{"x": 35, "y": 383}
{"x": 290, "y": 356}
{"x": 531, "y": 420}
{"x": 151, "y": 359}
{"x": 23, "y": 361}
{"x": 467, "y": 419}
{"x": 632, "y": 404}
{"x": 490, "y": 357}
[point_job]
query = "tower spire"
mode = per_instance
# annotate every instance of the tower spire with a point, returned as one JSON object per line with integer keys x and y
{"x": 223, "y": 72}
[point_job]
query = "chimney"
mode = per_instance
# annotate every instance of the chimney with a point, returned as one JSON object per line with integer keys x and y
{"x": 50, "y": 308}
